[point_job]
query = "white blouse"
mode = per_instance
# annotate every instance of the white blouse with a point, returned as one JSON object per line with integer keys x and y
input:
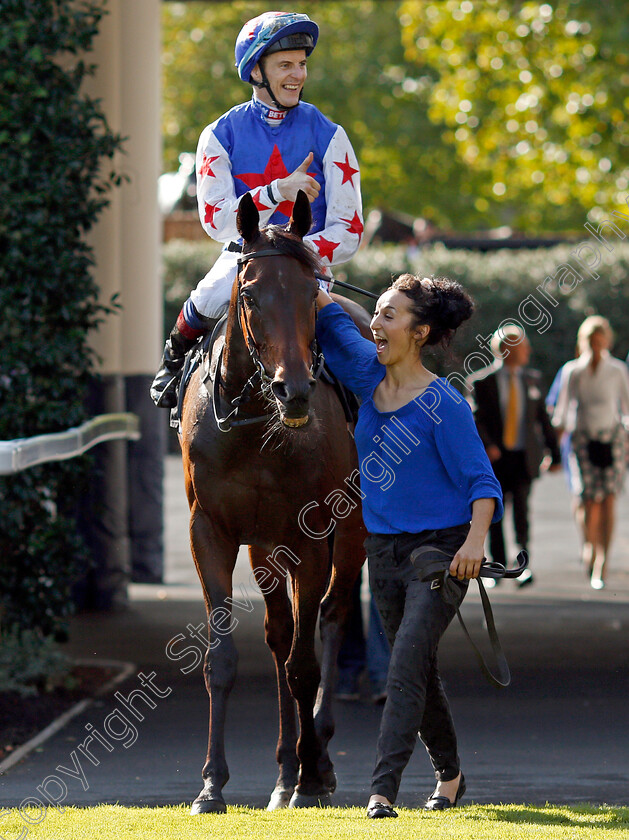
{"x": 593, "y": 401}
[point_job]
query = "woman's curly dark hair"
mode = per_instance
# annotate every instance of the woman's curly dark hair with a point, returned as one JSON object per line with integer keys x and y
{"x": 439, "y": 302}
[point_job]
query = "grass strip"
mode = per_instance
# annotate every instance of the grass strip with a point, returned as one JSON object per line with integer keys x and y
{"x": 471, "y": 822}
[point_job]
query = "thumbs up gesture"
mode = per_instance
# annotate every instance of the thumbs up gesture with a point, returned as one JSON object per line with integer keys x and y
{"x": 299, "y": 180}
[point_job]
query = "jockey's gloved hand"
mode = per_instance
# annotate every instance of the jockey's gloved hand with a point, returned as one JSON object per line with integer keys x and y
{"x": 325, "y": 282}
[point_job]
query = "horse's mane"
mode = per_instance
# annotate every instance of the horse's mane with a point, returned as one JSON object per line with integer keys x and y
{"x": 293, "y": 246}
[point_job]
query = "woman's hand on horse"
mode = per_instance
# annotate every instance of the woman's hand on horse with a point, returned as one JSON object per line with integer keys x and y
{"x": 299, "y": 180}
{"x": 323, "y": 298}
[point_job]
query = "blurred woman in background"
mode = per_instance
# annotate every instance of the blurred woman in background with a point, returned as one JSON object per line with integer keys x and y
{"x": 568, "y": 458}
{"x": 593, "y": 402}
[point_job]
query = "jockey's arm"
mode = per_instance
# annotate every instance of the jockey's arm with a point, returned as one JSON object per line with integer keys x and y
{"x": 339, "y": 239}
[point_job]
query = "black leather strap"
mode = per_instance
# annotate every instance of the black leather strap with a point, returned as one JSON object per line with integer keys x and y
{"x": 433, "y": 565}
{"x": 503, "y": 677}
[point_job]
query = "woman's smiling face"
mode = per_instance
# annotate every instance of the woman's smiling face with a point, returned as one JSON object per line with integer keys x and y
{"x": 392, "y": 328}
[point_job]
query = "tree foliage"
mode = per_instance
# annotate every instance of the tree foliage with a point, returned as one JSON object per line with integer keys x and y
{"x": 470, "y": 114}
{"x": 358, "y": 76}
{"x": 534, "y": 96}
{"x": 53, "y": 141}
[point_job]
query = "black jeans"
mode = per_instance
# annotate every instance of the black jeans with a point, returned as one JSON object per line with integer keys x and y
{"x": 414, "y": 617}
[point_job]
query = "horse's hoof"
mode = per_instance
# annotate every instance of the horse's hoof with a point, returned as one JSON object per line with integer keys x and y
{"x": 329, "y": 780}
{"x": 304, "y": 800}
{"x": 208, "y": 806}
{"x": 327, "y": 774}
{"x": 280, "y": 798}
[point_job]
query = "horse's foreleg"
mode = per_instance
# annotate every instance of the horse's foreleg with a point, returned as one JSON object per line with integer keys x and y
{"x": 215, "y": 559}
{"x": 278, "y": 628}
{"x": 303, "y": 674}
{"x": 349, "y": 556}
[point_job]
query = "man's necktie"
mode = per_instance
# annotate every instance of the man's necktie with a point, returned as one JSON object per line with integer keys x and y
{"x": 512, "y": 415}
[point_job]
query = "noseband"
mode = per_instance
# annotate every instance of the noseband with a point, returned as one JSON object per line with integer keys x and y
{"x": 225, "y": 424}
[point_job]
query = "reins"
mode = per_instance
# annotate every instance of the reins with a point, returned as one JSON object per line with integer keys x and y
{"x": 349, "y": 286}
{"x": 229, "y": 421}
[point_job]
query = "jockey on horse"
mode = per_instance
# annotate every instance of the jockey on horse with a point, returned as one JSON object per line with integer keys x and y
{"x": 271, "y": 146}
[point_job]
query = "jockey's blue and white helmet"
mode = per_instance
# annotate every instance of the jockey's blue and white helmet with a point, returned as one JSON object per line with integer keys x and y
{"x": 271, "y": 32}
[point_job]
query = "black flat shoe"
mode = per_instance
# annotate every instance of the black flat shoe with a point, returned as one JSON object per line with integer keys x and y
{"x": 440, "y": 803}
{"x": 378, "y": 810}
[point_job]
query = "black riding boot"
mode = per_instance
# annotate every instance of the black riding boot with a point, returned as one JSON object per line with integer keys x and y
{"x": 164, "y": 387}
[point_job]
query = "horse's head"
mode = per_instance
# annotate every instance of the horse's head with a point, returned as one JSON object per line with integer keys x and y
{"x": 277, "y": 289}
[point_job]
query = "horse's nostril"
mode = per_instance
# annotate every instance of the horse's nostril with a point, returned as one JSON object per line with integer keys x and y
{"x": 293, "y": 394}
{"x": 280, "y": 390}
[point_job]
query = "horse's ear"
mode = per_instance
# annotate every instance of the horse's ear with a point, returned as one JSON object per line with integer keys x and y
{"x": 248, "y": 218}
{"x": 301, "y": 219}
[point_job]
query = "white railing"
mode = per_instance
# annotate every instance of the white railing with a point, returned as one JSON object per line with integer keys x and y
{"x": 17, "y": 455}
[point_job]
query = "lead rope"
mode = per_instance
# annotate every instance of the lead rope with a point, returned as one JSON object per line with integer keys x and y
{"x": 437, "y": 571}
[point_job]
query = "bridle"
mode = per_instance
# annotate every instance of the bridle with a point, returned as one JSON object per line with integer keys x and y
{"x": 229, "y": 421}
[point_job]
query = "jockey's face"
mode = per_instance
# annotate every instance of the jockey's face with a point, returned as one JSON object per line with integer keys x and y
{"x": 286, "y": 72}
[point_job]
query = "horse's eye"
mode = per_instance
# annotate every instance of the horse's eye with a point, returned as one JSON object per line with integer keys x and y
{"x": 249, "y": 299}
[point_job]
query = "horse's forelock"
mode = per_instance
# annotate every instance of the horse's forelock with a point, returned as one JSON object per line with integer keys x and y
{"x": 293, "y": 246}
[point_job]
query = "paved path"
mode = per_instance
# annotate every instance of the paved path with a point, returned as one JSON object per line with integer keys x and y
{"x": 560, "y": 732}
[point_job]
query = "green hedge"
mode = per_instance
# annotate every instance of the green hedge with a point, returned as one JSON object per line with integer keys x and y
{"x": 502, "y": 282}
{"x": 53, "y": 142}
{"x": 185, "y": 263}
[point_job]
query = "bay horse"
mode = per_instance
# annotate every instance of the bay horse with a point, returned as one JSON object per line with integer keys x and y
{"x": 277, "y": 481}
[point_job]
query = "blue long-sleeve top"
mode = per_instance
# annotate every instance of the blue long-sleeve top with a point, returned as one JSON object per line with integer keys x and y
{"x": 422, "y": 465}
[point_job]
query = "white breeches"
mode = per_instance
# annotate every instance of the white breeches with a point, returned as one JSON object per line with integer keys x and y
{"x": 212, "y": 294}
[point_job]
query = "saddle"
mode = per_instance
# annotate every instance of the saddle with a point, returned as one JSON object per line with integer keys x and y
{"x": 206, "y": 352}
{"x": 432, "y": 564}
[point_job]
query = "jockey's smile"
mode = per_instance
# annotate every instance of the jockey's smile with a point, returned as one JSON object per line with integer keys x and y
{"x": 286, "y": 72}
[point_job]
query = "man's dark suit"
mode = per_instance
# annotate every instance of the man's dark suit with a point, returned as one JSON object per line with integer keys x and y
{"x": 515, "y": 469}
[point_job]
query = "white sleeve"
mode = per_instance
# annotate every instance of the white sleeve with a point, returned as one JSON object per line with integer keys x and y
{"x": 624, "y": 393}
{"x": 566, "y": 396}
{"x": 216, "y": 197}
{"x": 340, "y": 237}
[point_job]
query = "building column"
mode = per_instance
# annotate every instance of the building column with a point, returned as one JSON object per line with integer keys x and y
{"x": 126, "y": 538}
{"x": 140, "y": 241}
{"x": 104, "y": 511}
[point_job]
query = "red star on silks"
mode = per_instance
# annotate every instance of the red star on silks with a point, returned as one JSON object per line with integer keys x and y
{"x": 347, "y": 169}
{"x": 325, "y": 247}
{"x": 207, "y": 164}
{"x": 354, "y": 225}
{"x": 275, "y": 168}
{"x": 258, "y": 201}
{"x": 210, "y": 210}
